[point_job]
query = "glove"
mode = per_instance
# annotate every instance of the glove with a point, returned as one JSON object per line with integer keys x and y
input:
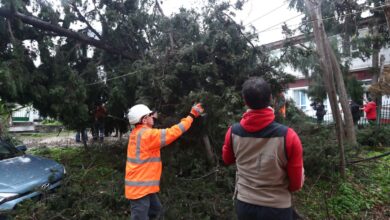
{"x": 196, "y": 110}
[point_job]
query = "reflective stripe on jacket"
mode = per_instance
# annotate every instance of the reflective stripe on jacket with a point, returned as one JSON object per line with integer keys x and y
{"x": 143, "y": 165}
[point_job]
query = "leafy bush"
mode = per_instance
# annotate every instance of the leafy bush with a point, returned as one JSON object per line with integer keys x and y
{"x": 320, "y": 150}
{"x": 51, "y": 122}
{"x": 294, "y": 114}
{"x": 10, "y": 139}
{"x": 374, "y": 136}
{"x": 318, "y": 141}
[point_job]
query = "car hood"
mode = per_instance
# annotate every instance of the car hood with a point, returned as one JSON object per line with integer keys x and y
{"x": 24, "y": 173}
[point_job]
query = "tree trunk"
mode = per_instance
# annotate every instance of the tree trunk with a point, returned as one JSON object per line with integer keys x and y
{"x": 346, "y": 43}
{"x": 346, "y": 40}
{"x": 375, "y": 68}
{"x": 386, "y": 9}
{"x": 209, "y": 149}
{"x": 170, "y": 32}
{"x": 343, "y": 97}
{"x": 322, "y": 43}
{"x": 375, "y": 55}
{"x": 46, "y": 26}
{"x": 379, "y": 99}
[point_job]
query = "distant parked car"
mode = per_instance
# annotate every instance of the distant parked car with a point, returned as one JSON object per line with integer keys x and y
{"x": 24, "y": 176}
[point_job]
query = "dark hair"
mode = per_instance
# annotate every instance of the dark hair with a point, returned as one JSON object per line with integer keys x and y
{"x": 256, "y": 93}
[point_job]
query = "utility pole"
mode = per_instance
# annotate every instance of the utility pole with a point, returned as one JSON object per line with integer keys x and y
{"x": 379, "y": 97}
{"x": 386, "y": 9}
{"x": 376, "y": 68}
{"x": 343, "y": 96}
{"x": 327, "y": 65}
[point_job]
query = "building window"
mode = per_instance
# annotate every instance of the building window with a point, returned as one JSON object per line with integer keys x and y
{"x": 300, "y": 99}
{"x": 356, "y": 44}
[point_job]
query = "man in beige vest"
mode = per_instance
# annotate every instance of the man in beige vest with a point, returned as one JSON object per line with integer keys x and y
{"x": 268, "y": 156}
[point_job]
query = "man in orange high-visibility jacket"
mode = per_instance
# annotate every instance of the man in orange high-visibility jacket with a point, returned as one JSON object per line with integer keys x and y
{"x": 143, "y": 165}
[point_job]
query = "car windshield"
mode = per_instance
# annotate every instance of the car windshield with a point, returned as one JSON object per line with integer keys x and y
{"x": 8, "y": 151}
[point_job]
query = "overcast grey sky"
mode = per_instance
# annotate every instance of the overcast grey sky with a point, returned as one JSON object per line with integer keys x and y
{"x": 255, "y": 12}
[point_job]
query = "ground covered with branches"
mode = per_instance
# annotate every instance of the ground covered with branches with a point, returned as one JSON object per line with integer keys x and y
{"x": 194, "y": 189}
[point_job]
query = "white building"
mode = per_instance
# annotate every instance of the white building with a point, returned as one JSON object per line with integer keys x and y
{"x": 24, "y": 114}
{"x": 359, "y": 68}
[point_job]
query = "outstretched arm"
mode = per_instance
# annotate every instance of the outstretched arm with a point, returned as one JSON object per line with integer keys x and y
{"x": 158, "y": 138}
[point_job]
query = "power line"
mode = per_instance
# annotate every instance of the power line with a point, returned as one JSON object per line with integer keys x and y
{"x": 262, "y": 16}
{"x": 277, "y": 28}
{"x": 277, "y": 25}
{"x": 262, "y": 31}
{"x": 323, "y": 19}
{"x": 116, "y": 77}
{"x": 270, "y": 28}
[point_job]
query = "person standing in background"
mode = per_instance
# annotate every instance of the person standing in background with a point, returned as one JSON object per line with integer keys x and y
{"x": 370, "y": 109}
{"x": 319, "y": 107}
{"x": 100, "y": 114}
{"x": 280, "y": 106}
{"x": 355, "y": 111}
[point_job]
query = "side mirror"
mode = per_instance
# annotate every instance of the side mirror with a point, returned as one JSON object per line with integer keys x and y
{"x": 21, "y": 148}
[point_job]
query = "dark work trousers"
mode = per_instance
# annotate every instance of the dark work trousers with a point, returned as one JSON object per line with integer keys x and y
{"x": 99, "y": 130}
{"x": 147, "y": 207}
{"x": 81, "y": 135}
{"x": 246, "y": 211}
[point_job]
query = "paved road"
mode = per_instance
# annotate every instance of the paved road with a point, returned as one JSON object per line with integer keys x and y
{"x": 63, "y": 140}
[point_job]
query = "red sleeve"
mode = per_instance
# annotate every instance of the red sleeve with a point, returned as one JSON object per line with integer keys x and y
{"x": 368, "y": 107}
{"x": 295, "y": 160}
{"x": 373, "y": 107}
{"x": 227, "y": 149}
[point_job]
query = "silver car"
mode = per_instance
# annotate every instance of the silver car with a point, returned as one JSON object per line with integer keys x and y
{"x": 24, "y": 176}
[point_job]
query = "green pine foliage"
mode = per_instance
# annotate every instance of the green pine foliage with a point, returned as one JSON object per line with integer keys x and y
{"x": 170, "y": 63}
{"x": 355, "y": 90}
{"x": 192, "y": 189}
{"x": 374, "y": 136}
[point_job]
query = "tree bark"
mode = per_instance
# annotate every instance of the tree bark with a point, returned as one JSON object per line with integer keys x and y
{"x": 386, "y": 9}
{"x": 379, "y": 99}
{"x": 346, "y": 43}
{"x": 346, "y": 40}
{"x": 170, "y": 32}
{"x": 43, "y": 25}
{"x": 343, "y": 97}
{"x": 375, "y": 55}
{"x": 322, "y": 43}
{"x": 83, "y": 19}
{"x": 209, "y": 149}
{"x": 376, "y": 69}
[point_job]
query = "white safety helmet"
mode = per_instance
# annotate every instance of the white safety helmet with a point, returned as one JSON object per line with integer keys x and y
{"x": 137, "y": 112}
